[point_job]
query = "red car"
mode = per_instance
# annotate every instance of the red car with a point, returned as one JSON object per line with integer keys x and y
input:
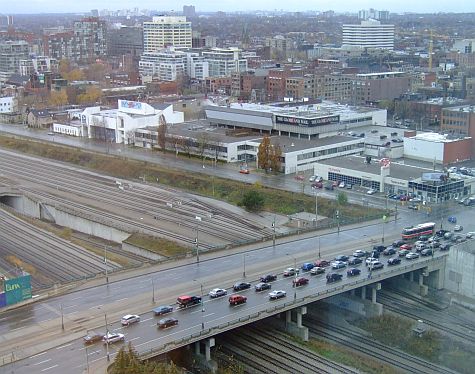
{"x": 317, "y": 185}
{"x": 244, "y": 171}
{"x": 322, "y": 263}
{"x": 301, "y": 281}
{"x": 406, "y": 246}
{"x": 335, "y": 183}
{"x": 299, "y": 177}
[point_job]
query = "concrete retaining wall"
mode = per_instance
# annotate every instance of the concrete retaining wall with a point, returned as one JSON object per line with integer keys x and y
{"x": 460, "y": 269}
{"x": 142, "y": 252}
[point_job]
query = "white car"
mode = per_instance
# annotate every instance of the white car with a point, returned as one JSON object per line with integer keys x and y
{"x": 312, "y": 178}
{"x": 369, "y": 260}
{"x": 342, "y": 185}
{"x": 458, "y": 228}
{"x": 113, "y": 337}
{"x": 290, "y": 272}
{"x": 338, "y": 265}
{"x": 217, "y": 292}
{"x": 470, "y": 234}
{"x": 317, "y": 270}
{"x": 277, "y": 294}
{"x": 129, "y": 319}
{"x": 371, "y": 191}
{"x": 412, "y": 255}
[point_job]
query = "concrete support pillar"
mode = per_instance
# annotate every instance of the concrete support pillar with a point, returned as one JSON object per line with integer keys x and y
{"x": 300, "y": 312}
{"x": 373, "y": 295}
{"x": 421, "y": 279}
{"x": 197, "y": 348}
{"x": 363, "y": 293}
{"x": 208, "y": 344}
{"x": 353, "y": 291}
{"x": 288, "y": 316}
{"x": 411, "y": 276}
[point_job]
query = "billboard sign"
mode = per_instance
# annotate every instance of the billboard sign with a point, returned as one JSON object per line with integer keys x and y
{"x": 307, "y": 122}
{"x": 17, "y": 289}
{"x": 433, "y": 177}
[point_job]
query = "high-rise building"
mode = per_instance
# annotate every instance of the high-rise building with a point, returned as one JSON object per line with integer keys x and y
{"x": 165, "y": 31}
{"x": 127, "y": 40}
{"x": 369, "y": 34}
{"x": 166, "y": 65}
{"x": 224, "y": 61}
{"x": 189, "y": 11}
{"x": 380, "y": 15}
{"x": 58, "y": 43}
{"x": 11, "y": 52}
{"x": 90, "y": 40}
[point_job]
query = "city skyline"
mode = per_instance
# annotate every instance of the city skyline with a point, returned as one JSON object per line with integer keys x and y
{"x": 56, "y": 6}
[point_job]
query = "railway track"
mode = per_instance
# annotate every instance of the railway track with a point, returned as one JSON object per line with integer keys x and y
{"x": 139, "y": 198}
{"x": 55, "y": 259}
{"x": 276, "y": 354}
{"x": 369, "y": 347}
{"x": 400, "y": 307}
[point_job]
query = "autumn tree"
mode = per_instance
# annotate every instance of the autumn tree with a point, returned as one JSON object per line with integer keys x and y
{"x": 162, "y": 132}
{"x": 58, "y": 98}
{"x": 91, "y": 96}
{"x": 275, "y": 157}
{"x": 263, "y": 153}
{"x": 96, "y": 72}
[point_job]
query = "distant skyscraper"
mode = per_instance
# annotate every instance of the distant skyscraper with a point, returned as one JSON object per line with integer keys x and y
{"x": 189, "y": 11}
{"x": 10, "y": 20}
{"x": 94, "y": 13}
{"x": 380, "y": 15}
{"x": 165, "y": 31}
{"x": 370, "y": 34}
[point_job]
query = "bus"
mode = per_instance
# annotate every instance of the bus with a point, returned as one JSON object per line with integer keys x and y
{"x": 414, "y": 232}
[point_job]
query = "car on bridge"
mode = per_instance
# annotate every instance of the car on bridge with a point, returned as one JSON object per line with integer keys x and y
{"x": 440, "y": 233}
{"x": 369, "y": 260}
{"x": 237, "y": 299}
{"x": 290, "y": 272}
{"x": 241, "y": 286}
{"x": 342, "y": 258}
{"x": 92, "y": 338}
{"x": 338, "y": 265}
{"x": 128, "y": 319}
{"x": 217, "y": 292}
{"x": 412, "y": 255}
{"x": 355, "y": 261}
{"x": 277, "y": 294}
{"x": 360, "y": 253}
{"x": 187, "y": 301}
{"x": 398, "y": 243}
{"x": 301, "y": 281}
{"x": 317, "y": 270}
{"x": 334, "y": 277}
{"x": 406, "y": 246}
{"x": 307, "y": 266}
{"x": 452, "y": 219}
{"x": 458, "y": 228}
{"x": 164, "y": 309}
{"x": 268, "y": 278}
{"x": 380, "y": 248}
{"x": 403, "y": 252}
{"x": 389, "y": 251}
{"x": 394, "y": 261}
{"x": 113, "y": 337}
{"x": 376, "y": 265}
{"x": 167, "y": 322}
{"x": 322, "y": 263}
{"x": 427, "y": 252}
{"x": 262, "y": 286}
{"x": 445, "y": 247}
{"x": 353, "y": 272}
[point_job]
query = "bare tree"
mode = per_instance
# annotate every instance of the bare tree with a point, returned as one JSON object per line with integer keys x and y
{"x": 203, "y": 144}
{"x": 130, "y": 137}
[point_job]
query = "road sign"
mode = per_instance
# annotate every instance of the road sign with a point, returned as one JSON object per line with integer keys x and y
{"x": 17, "y": 289}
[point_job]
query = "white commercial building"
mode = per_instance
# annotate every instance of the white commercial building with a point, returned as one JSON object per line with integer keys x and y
{"x": 369, "y": 34}
{"x": 8, "y": 104}
{"x": 72, "y": 129}
{"x": 164, "y": 31}
{"x": 166, "y": 64}
{"x": 464, "y": 45}
{"x": 224, "y": 61}
{"x": 119, "y": 125}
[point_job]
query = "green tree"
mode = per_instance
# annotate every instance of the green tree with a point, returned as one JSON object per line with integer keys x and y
{"x": 252, "y": 201}
{"x": 342, "y": 198}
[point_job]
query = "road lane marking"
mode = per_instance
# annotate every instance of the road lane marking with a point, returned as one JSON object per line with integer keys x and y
{"x": 42, "y": 362}
{"x": 26, "y": 319}
{"x": 165, "y": 336}
{"x": 131, "y": 340}
{"x": 39, "y": 354}
{"x": 94, "y": 352}
{"x": 64, "y": 346}
{"x": 77, "y": 298}
{"x": 97, "y": 306}
{"x": 51, "y": 367}
{"x": 148, "y": 319}
{"x": 207, "y": 315}
{"x": 125, "y": 298}
{"x": 70, "y": 306}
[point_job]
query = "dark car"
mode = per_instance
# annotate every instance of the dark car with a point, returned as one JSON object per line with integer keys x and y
{"x": 341, "y": 258}
{"x": 389, "y": 251}
{"x": 398, "y": 243}
{"x": 262, "y": 286}
{"x": 394, "y": 261}
{"x": 403, "y": 252}
{"x": 374, "y": 254}
{"x": 445, "y": 247}
{"x": 241, "y": 286}
{"x": 300, "y": 281}
{"x": 355, "y": 261}
{"x": 329, "y": 186}
{"x": 426, "y": 252}
{"x": 333, "y": 277}
{"x": 379, "y": 248}
{"x": 268, "y": 278}
{"x": 353, "y": 272}
{"x": 167, "y": 322}
{"x": 424, "y": 238}
{"x": 164, "y": 309}
{"x": 440, "y": 233}
{"x": 307, "y": 266}
{"x": 92, "y": 338}
{"x": 452, "y": 219}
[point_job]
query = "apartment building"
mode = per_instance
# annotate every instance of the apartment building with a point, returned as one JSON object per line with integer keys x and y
{"x": 459, "y": 121}
{"x": 11, "y": 52}
{"x": 164, "y": 31}
{"x": 125, "y": 40}
{"x": 373, "y": 87}
{"x": 368, "y": 34}
{"x": 90, "y": 39}
{"x": 222, "y": 62}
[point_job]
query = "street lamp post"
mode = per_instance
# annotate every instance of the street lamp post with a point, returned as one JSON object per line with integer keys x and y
{"x": 273, "y": 233}
{"x": 198, "y": 218}
{"x": 107, "y": 340}
{"x": 384, "y": 221}
{"x": 244, "y": 266}
{"x": 316, "y": 208}
{"x": 62, "y": 316}
{"x": 319, "y": 253}
{"x": 87, "y": 361}
{"x": 105, "y": 264}
{"x": 153, "y": 292}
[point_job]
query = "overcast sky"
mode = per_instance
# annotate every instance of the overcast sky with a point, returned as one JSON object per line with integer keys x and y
{"x": 64, "y": 6}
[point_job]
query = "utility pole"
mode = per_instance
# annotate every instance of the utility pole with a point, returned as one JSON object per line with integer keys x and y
{"x": 338, "y": 221}
{"x": 153, "y": 292}
{"x": 197, "y": 247}
{"x": 107, "y": 340}
{"x": 62, "y": 316}
{"x": 273, "y": 233}
{"x": 319, "y": 253}
{"x": 244, "y": 266}
{"x": 316, "y": 208}
{"x": 105, "y": 264}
